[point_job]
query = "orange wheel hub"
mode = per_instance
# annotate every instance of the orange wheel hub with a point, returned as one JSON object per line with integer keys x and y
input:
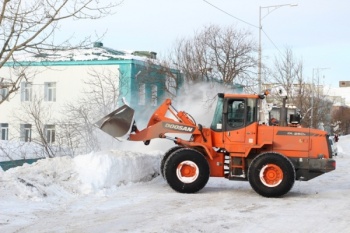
{"x": 187, "y": 171}
{"x": 271, "y": 175}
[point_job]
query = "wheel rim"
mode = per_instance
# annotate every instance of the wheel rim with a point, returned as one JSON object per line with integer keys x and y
{"x": 187, "y": 171}
{"x": 271, "y": 175}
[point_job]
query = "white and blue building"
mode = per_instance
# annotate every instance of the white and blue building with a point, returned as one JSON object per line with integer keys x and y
{"x": 59, "y": 78}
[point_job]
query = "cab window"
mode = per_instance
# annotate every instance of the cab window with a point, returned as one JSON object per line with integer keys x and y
{"x": 216, "y": 124}
{"x": 236, "y": 113}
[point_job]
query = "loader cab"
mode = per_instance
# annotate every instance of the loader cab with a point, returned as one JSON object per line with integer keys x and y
{"x": 234, "y": 112}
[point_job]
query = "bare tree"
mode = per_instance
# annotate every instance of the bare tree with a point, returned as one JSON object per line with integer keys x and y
{"x": 30, "y": 26}
{"x": 79, "y": 132}
{"x": 102, "y": 90}
{"x": 287, "y": 71}
{"x": 310, "y": 99}
{"x": 220, "y": 54}
{"x": 301, "y": 95}
{"x": 101, "y": 95}
{"x": 341, "y": 120}
{"x": 162, "y": 74}
{"x": 37, "y": 113}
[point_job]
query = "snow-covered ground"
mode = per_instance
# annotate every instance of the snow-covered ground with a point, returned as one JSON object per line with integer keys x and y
{"x": 120, "y": 191}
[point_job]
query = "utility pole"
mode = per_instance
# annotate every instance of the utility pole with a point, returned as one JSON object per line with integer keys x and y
{"x": 270, "y": 9}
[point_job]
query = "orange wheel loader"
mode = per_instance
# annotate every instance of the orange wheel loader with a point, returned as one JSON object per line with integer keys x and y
{"x": 236, "y": 146}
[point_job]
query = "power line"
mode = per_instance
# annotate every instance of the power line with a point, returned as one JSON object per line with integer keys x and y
{"x": 272, "y": 42}
{"x": 230, "y": 14}
{"x": 245, "y": 23}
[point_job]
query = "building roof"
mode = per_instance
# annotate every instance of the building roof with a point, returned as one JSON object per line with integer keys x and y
{"x": 96, "y": 53}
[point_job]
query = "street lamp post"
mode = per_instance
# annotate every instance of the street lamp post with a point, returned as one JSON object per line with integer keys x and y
{"x": 273, "y": 8}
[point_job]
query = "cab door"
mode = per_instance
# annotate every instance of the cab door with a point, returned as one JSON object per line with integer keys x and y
{"x": 240, "y": 123}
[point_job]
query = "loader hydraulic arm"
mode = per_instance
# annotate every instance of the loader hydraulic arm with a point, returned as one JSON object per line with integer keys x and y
{"x": 160, "y": 115}
{"x": 165, "y": 119}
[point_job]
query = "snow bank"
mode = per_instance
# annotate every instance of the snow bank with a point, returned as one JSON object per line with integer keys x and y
{"x": 343, "y": 145}
{"x": 104, "y": 170}
{"x": 65, "y": 176}
{"x": 13, "y": 150}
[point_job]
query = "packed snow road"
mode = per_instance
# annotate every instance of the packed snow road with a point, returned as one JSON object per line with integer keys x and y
{"x": 120, "y": 192}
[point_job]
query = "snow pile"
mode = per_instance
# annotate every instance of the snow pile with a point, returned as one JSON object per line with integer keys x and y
{"x": 104, "y": 170}
{"x": 343, "y": 146}
{"x": 12, "y": 150}
{"x": 44, "y": 178}
{"x": 65, "y": 176}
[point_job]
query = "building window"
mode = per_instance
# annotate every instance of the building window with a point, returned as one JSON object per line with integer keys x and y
{"x": 50, "y": 91}
{"x": 26, "y": 132}
{"x": 171, "y": 85}
{"x": 154, "y": 97}
{"x": 3, "y": 92}
{"x": 4, "y": 129}
{"x": 142, "y": 94}
{"x": 50, "y": 133}
{"x": 26, "y": 91}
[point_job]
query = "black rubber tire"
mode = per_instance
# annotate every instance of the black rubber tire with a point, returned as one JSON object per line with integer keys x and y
{"x": 278, "y": 160}
{"x": 166, "y": 156}
{"x": 194, "y": 157}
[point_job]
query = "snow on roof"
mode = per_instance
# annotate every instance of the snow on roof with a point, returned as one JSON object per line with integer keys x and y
{"x": 85, "y": 54}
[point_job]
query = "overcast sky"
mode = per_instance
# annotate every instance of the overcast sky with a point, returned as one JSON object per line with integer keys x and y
{"x": 318, "y": 31}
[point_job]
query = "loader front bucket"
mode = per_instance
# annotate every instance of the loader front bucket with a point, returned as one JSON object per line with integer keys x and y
{"x": 117, "y": 123}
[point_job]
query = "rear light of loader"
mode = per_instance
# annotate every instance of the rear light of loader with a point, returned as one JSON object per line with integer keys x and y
{"x": 333, "y": 164}
{"x": 330, "y": 165}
